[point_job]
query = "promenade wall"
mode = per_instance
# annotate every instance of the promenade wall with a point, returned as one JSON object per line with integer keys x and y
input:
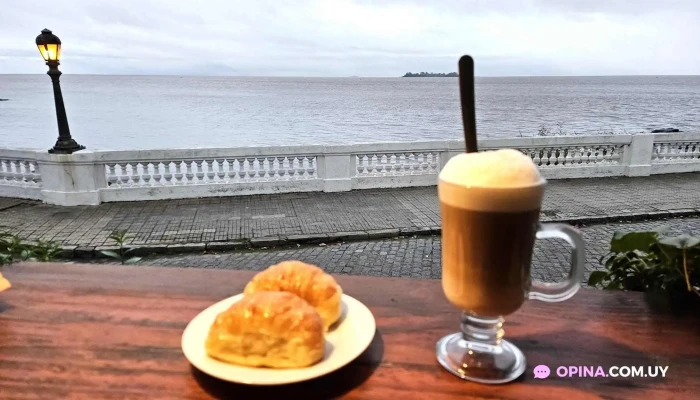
{"x": 94, "y": 177}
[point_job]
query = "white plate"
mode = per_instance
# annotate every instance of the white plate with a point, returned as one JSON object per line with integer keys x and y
{"x": 344, "y": 342}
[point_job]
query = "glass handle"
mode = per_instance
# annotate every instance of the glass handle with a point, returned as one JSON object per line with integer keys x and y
{"x": 560, "y": 291}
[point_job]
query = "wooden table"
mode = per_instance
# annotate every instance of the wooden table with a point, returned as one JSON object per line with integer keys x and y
{"x": 113, "y": 332}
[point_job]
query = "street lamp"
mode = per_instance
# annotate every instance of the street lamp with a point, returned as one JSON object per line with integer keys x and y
{"x": 50, "y": 48}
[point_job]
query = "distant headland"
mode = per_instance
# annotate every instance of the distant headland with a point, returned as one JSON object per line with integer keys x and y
{"x": 430, "y": 75}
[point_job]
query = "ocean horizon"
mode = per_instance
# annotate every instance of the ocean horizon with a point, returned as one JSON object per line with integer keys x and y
{"x": 180, "y": 111}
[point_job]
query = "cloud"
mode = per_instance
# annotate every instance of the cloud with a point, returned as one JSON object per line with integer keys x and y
{"x": 356, "y": 37}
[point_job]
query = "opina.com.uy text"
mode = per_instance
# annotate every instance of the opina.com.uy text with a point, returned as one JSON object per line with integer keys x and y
{"x": 579, "y": 371}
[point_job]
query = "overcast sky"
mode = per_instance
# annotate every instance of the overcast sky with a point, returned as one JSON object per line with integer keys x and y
{"x": 355, "y": 37}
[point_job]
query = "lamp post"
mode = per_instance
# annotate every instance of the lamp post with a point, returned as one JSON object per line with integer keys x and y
{"x": 50, "y": 48}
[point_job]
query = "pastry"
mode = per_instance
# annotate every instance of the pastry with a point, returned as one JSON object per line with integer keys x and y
{"x": 307, "y": 281}
{"x": 4, "y": 283}
{"x": 268, "y": 329}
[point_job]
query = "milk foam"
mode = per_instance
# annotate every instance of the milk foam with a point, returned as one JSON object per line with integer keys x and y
{"x": 501, "y": 168}
{"x": 495, "y": 181}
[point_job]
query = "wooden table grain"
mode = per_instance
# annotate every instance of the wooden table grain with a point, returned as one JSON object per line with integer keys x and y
{"x": 113, "y": 332}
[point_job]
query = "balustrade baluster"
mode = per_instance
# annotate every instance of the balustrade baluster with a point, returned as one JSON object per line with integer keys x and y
{"x": 390, "y": 163}
{"x": 220, "y": 173}
{"x": 261, "y": 170}
{"x": 251, "y": 167}
{"x": 111, "y": 173}
{"x": 685, "y": 152}
{"x": 241, "y": 168}
{"x": 536, "y": 157}
{"x": 280, "y": 167}
{"x": 369, "y": 163}
{"x": 27, "y": 175}
{"x": 292, "y": 166}
{"x": 9, "y": 174}
{"x": 585, "y": 155}
{"x": 146, "y": 173}
{"x": 156, "y": 173}
{"x": 398, "y": 166}
{"x": 568, "y": 157}
{"x": 3, "y": 173}
{"x": 551, "y": 157}
{"x": 424, "y": 164}
{"x": 360, "y": 164}
{"x": 616, "y": 153}
{"x": 310, "y": 168}
{"x": 124, "y": 173}
{"x": 200, "y": 171}
{"x": 188, "y": 173}
{"x": 231, "y": 173}
{"x": 17, "y": 175}
{"x": 300, "y": 167}
{"x": 135, "y": 174}
{"x": 379, "y": 166}
{"x": 178, "y": 172}
{"x": 599, "y": 154}
{"x": 36, "y": 173}
{"x": 604, "y": 154}
{"x": 559, "y": 161}
{"x": 168, "y": 175}
{"x": 210, "y": 170}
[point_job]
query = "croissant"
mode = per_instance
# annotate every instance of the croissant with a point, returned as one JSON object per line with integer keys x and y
{"x": 4, "y": 283}
{"x": 307, "y": 281}
{"x": 268, "y": 329}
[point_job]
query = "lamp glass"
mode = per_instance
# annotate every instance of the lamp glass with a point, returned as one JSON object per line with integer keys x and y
{"x": 50, "y": 52}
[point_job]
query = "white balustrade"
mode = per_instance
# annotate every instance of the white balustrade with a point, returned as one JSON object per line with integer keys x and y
{"x": 92, "y": 177}
{"x": 568, "y": 156}
{"x": 675, "y": 152}
{"x": 398, "y": 163}
{"x": 209, "y": 171}
{"x": 19, "y": 172}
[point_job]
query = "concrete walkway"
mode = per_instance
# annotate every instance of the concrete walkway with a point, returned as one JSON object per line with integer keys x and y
{"x": 418, "y": 257}
{"x": 269, "y": 220}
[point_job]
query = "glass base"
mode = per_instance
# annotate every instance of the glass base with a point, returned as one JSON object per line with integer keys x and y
{"x": 478, "y": 361}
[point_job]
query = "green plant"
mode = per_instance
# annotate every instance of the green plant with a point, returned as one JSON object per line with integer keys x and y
{"x": 120, "y": 238}
{"x": 646, "y": 261}
{"x": 45, "y": 251}
{"x": 12, "y": 249}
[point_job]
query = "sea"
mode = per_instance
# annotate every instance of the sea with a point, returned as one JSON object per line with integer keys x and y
{"x": 142, "y": 112}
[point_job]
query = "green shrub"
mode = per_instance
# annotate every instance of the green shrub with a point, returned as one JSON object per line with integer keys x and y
{"x": 13, "y": 248}
{"x": 649, "y": 262}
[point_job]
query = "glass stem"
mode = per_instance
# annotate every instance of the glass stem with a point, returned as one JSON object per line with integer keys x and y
{"x": 482, "y": 330}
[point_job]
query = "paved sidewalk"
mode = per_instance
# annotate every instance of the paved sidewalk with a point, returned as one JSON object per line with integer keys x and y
{"x": 418, "y": 257}
{"x": 270, "y": 220}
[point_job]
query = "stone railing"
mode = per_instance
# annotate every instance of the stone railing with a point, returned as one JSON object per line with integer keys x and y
{"x": 675, "y": 153}
{"x": 92, "y": 177}
{"x": 19, "y": 174}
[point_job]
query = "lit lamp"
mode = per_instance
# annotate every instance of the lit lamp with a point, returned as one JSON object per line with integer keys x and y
{"x": 50, "y": 48}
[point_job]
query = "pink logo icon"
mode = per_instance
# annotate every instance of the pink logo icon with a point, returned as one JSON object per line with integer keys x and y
{"x": 541, "y": 372}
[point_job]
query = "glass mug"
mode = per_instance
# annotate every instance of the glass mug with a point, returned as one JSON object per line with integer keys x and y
{"x": 488, "y": 235}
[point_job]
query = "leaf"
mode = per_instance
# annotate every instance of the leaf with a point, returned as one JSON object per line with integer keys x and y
{"x": 132, "y": 260}
{"x": 112, "y": 254}
{"x": 623, "y": 242}
{"x": 597, "y": 277}
{"x": 681, "y": 242}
